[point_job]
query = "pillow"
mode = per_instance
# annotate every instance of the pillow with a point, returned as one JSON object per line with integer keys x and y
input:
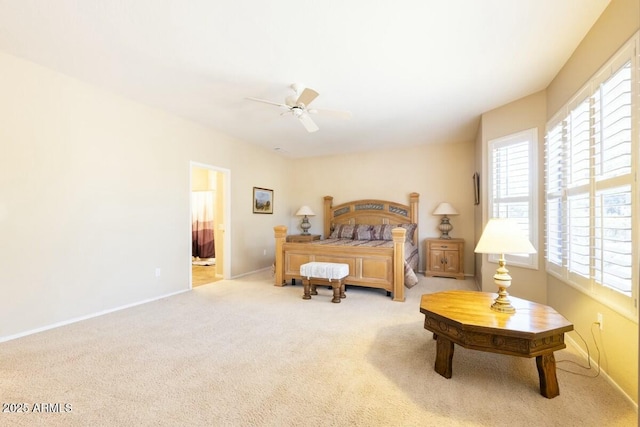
{"x": 411, "y": 228}
{"x": 382, "y": 231}
{"x": 363, "y": 232}
{"x": 343, "y": 231}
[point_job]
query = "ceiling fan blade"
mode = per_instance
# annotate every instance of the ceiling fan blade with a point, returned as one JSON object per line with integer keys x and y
{"x": 339, "y": 114}
{"x": 309, "y": 124}
{"x": 268, "y": 102}
{"x": 307, "y": 96}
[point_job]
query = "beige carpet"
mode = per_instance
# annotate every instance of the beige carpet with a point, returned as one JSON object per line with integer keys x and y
{"x": 246, "y": 353}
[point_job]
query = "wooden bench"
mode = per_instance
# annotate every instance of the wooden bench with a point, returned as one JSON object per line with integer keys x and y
{"x": 324, "y": 273}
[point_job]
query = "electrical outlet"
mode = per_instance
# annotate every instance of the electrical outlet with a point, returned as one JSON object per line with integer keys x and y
{"x": 600, "y": 321}
{"x": 264, "y": 252}
{"x": 158, "y": 271}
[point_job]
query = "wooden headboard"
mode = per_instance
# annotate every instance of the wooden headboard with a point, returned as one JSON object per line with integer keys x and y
{"x": 370, "y": 211}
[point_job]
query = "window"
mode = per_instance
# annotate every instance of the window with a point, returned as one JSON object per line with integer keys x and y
{"x": 512, "y": 189}
{"x": 590, "y": 186}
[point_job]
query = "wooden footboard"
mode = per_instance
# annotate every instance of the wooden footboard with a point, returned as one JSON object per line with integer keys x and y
{"x": 381, "y": 268}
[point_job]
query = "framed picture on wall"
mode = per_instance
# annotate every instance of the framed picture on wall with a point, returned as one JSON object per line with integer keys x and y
{"x": 262, "y": 200}
{"x": 476, "y": 188}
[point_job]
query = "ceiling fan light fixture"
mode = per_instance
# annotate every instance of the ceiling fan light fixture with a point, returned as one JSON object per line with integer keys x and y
{"x": 297, "y": 103}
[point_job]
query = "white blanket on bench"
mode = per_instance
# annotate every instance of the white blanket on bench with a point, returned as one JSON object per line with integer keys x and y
{"x": 324, "y": 270}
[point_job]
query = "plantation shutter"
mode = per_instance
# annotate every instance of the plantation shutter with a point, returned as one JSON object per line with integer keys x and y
{"x": 511, "y": 184}
{"x": 612, "y": 246}
{"x": 555, "y": 172}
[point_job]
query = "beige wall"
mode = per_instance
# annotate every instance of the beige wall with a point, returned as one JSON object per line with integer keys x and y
{"x": 440, "y": 172}
{"x": 95, "y": 197}
{"x": 615, "y": 26}
{"x": 526, "y": 113}
{"x": 618, "y": 341}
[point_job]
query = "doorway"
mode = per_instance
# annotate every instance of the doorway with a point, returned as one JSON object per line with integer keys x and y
{"x": 209, "y": 209}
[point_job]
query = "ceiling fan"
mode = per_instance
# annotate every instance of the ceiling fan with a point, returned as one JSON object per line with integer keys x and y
{"x": 297, "y": 105}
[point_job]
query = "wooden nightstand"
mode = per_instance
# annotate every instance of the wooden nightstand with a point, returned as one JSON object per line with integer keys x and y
{"x": 299, "y": 238}
{"x": 445, "y": 258}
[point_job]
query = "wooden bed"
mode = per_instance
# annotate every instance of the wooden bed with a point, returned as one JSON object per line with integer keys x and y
{"x": 374, "y": 267}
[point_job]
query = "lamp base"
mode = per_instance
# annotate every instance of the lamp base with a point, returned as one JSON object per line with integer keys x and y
{"x": 502, "y": 303}
{"x": 445, "y": 227}
{"x": 305, "y": 225}
{"x": 503, "y": 280}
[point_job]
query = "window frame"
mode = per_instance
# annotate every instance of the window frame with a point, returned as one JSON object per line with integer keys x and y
{"x": 530, "y": 261}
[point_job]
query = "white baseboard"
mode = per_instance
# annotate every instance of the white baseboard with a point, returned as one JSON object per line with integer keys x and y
{"x": 603, "y": 373}
{"x": 88, "y": 316}
{"x": 251, "y": 272}
{"x": 101, "y": 313}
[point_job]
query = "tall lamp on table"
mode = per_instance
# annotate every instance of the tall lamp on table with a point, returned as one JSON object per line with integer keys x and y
{"x": 305, "y": 212}
{"x": 503, "y": 236}
{"x": 445, "y": 209}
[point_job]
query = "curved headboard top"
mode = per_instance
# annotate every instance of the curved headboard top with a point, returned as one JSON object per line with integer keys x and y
{"x": 371, "y": 211}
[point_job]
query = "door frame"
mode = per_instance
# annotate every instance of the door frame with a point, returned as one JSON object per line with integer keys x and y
{"x": 226, "y": 249}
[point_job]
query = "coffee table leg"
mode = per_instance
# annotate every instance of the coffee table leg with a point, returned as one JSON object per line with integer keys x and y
{"x": 547, "y": 371}
{"x": 444, "y": 356}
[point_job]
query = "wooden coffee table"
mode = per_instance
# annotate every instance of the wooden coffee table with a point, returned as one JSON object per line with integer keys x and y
{"x": 465, "y": 318}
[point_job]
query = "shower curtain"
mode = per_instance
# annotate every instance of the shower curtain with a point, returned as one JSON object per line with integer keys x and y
{"x": 202, "y": 244}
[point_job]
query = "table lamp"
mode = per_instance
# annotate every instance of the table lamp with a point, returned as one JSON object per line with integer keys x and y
{"x": 445, "y": 227}
{"x": 305, "y": 212}
{"x": 503, "y": 236}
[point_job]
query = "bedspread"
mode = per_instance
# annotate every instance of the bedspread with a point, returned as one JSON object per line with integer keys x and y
{"x": 410, "y": 254}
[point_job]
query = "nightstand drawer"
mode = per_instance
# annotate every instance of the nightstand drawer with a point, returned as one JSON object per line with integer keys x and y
{"x": 444, "y": 246}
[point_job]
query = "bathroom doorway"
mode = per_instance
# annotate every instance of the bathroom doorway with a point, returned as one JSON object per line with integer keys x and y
{"x": 209, "y": 216}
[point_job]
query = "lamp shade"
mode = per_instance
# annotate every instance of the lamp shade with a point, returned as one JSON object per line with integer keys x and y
{"x": 305, "y": 210}
{"x": 445, "y": 209}
{"x": 504, "y": 236}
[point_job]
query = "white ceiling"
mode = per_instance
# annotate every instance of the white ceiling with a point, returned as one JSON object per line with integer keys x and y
{"x": 411, "y": 71}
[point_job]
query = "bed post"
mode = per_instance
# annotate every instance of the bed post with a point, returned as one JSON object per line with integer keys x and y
{"x": 414, "y": 199}
{"x": 328, "y": 203}
{"x": 398, "y": 263}
{"x": 280, "y": 232}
